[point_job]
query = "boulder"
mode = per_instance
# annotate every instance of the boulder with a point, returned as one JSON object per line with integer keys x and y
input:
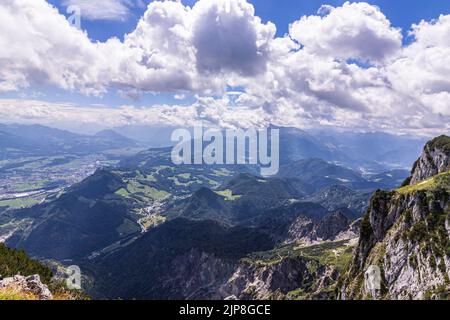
{"x": 31, "y": 284}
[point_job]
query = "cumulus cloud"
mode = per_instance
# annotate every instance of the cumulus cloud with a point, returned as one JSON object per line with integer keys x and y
{"x": 422, "y": 71}
{"x": 164, "y": 58}
{"x": 40, "y": 47}
{"x": 227, "y": 36}
{"x": 353, "y": 31}
{"x": 306, "y": 78}
{"x": 198, "y": 49}
{"x": 168, "y": 51}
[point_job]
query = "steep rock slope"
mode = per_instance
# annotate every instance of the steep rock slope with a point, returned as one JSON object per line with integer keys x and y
{"x": 405, "y": 234}
{"x": 279, "y": 280}
{"x": 434, "y": 159}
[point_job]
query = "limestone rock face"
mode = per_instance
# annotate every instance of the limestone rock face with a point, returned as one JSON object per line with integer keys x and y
{"x": 405, "y": 235}
{"x": 31, "y": 284}
{"x": 196, "y": 275}
{"x": 435, "y": 159}
{"x": 334, "y": 226}
{"x": 253, "y": 281}
{"x": 200, "y": 275}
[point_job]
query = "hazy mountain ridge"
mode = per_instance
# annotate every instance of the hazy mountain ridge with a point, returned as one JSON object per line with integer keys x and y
{"x": 25, "y": 140}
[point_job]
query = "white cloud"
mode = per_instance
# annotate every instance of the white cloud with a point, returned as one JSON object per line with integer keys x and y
{"x": 227, "y": 36}
{"x": 355, "y": 30}
{"x": 302, "y": 79}
{"x": 164, "y": 59}
{"x": 197, "y": 49}
{"x": 214, "y": 112}
{"x": 423, "y": 68}
{"x": 161, "y": 55}
{"x": 40, "y": 47}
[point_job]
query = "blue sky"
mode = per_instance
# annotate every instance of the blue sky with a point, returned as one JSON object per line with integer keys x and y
{"x": 402, "y": 14}
{"x": 351, "y": 65}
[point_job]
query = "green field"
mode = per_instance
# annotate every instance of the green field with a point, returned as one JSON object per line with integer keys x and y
{"x": 338, "y": 254}
{"x": 228, "y": 195}
{"x": 19, "y": 203}
{"x": 441, "y": 180}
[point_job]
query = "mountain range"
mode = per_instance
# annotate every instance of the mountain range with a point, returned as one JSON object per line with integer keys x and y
{"x": 18, "y": 140}
{"x": 149, "y": 229}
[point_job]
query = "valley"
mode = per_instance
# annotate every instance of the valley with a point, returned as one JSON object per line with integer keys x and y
{"x": 141, "y": 227}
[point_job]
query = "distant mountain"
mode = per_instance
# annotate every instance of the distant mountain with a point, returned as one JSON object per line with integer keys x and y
{"x": 10, "y": 141}
{"x": 320, "y": 174}
{"x": 17, "y": 140}
{"x": 338, "y": 197}
{"x": 237, "y": 201}
{"x": 296, "y": 144}
{"x": 152, "y": 136}
{"x": 373, "y": 150}
{"x": 203, "y": 204}
{"x": 111, "y": 135}
{"x": 88, "y": 217}
{"x": 38, "y": 133}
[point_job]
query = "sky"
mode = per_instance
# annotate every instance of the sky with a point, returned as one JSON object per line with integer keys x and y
{"x": 377, "y": 65}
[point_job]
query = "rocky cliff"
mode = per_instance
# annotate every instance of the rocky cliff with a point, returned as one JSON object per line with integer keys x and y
{"x": 275, "y": 275}
{"x": 434, "y": 160}
{"x": 404, "y": 246}
{"x": 288, "y": 278}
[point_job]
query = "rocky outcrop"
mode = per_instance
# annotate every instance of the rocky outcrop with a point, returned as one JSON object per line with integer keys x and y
{"x": 200, "y": 275}
{"x": 404, "y": 246}
{"x": 334, "y": 226}
{"x": 196, "y": 275}
{"x": 435, "y": 159}
{"x": 31, "y": 285}
{"x": 405, "y": 236}
{"x": 283, "y": 279}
